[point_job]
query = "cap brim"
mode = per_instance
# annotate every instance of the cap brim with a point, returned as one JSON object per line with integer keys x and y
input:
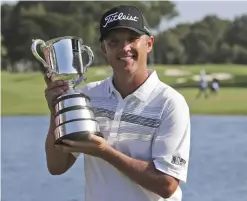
{"x": 123, "y": 27}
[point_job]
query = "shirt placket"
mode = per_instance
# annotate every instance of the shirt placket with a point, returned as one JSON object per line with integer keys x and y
{"x": 117, "y": 118}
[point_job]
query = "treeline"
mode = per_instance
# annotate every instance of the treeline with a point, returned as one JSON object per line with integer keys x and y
{"x": 211, "y": 40}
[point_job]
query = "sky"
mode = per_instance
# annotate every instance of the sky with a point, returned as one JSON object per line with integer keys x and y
{"x": 191, "y": 11}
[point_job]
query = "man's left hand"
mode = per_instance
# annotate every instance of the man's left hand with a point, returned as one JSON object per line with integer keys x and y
{"x": 94, "y": 146}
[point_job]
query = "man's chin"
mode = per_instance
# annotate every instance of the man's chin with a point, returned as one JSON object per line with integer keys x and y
{"x": 128, "y": 64}
{"x": 129, "y": 68}
{"x": 124, "y": 66}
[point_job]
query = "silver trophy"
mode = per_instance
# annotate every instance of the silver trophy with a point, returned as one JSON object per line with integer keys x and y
{"x": 74, "y": 116}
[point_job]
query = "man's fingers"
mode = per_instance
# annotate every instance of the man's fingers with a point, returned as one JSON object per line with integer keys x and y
{"x": 51, "y": 96}
{"x": 56, "y": 88}
{"x": 54, "y": 92}
{"x": 96, "y": 138}
{"x": 92, "y": 141}
{"x": 77, "y": 144}
{"x": 83, "y": 148}
{"x": 57, "y": 84}
{"x": 66, "y": 149}
{"x": 47, "y": 79}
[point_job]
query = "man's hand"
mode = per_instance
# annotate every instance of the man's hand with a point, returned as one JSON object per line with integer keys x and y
{"x": 94, "y": 146}
{"x": 142, "y": 172}
{"x": 53, "y": 90}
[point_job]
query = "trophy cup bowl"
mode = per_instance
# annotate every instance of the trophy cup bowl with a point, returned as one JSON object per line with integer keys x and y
{"x": 74, "y": 116}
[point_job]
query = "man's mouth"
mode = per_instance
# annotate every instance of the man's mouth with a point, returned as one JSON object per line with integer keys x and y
{"x": 127, "y": 58}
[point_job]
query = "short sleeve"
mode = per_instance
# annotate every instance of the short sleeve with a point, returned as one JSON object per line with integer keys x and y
{"x": 171, "y": 142}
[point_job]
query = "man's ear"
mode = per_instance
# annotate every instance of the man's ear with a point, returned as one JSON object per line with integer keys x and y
{"x": 102, "y": 45}
{"x": 150, "y": 42}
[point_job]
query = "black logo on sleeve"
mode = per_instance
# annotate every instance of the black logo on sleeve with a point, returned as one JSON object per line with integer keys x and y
{"x": 178, "y": 161}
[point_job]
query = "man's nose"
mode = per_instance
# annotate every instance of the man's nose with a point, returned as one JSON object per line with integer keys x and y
{"x": 126, "y": 46}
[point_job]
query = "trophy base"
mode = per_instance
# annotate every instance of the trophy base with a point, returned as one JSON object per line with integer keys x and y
{"x": 77, "y": 136}
{"x": 74, "y": 118}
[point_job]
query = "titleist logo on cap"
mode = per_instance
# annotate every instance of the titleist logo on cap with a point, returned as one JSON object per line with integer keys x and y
{"x": 119, "y": 16}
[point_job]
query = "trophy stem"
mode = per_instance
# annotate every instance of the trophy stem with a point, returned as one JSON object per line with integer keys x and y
{"x": 71, "y": 85}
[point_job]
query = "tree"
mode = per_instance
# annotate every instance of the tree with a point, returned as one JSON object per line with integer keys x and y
{"x": 45, "y": 20}
{"x": 168, "y": 49}
{"x": 3, "y": 48}
{"x": 239, "y": 54}
{"x": 200, "y": 42}
{"x": 237, "y": 32}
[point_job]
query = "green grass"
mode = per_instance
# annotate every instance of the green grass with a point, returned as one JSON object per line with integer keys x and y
{"x": 239, "y": 73}
{"x": 230, "y": 101}
{"x": 23, "y": 93}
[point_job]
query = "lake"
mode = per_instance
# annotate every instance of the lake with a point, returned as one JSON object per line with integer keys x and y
{"x": 217, "y": 167}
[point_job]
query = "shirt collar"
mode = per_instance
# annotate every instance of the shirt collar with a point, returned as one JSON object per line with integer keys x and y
{"x": 144, "y": 91}
{"x": 110, "y": 87}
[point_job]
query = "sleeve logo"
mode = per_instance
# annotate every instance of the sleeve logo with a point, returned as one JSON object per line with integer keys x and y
{"x": 178, "y": 161}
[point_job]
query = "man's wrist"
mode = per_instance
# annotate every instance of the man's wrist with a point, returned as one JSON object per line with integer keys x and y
{"x": 108, "y": 153}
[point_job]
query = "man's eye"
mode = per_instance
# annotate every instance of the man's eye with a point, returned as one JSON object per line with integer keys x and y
{"x": 134, "y": 38}
{"x": 113, "y": 42}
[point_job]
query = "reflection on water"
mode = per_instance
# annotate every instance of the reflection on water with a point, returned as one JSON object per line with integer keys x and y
{"x": 217, "y": 168}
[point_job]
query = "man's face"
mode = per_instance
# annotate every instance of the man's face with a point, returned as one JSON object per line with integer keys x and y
{"x": 126, "y": 51}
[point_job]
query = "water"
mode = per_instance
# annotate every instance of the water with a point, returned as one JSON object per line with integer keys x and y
{"x": 217, "y": 169}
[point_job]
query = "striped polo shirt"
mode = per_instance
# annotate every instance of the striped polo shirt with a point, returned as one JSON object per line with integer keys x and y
{"x": 152, "y": 124}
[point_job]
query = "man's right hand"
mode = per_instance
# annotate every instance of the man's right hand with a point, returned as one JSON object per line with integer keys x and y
{"x": 53, "y": 90}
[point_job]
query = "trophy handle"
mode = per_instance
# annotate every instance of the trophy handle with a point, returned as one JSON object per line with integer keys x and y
{"x": 35, "y": 43}
{"x": 90, "y": 54}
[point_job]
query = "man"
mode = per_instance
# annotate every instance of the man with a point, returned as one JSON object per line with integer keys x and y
{"x": 203, "y": 85}
{"x": 145, "y": 123}
{"x": 215, "y": 87}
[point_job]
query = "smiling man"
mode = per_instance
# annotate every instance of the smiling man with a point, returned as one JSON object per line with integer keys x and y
{"x": 145, "y": 123}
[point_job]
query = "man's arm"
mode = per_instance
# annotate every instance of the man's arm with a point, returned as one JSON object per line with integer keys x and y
{"x": 170, "y": 153}
{"x": 143, "y": 173}
{"x": 57, "y": 161}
